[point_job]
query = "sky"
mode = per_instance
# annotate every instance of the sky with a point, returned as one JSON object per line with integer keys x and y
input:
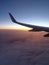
{"x": 34, "y": 12}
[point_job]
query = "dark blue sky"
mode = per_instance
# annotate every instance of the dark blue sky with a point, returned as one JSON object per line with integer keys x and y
{"x": 27, "y": 11}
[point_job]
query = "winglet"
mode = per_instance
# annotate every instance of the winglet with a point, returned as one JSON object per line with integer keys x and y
{"x": 12, "y": 18}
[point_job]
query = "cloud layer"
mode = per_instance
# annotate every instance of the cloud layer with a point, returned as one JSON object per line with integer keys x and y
{"x": 23, "y": 48}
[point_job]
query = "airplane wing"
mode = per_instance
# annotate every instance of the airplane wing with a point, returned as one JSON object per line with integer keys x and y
{"x": 34, "y": 27}
{"x": 14, "y": 21}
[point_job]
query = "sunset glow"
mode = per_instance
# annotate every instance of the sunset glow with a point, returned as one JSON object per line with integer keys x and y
{"x": 15, "y": 28}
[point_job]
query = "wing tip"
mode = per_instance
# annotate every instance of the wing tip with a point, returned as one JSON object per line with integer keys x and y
{"x": 12, "y": 18}
{"x": 9, "y": 14}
